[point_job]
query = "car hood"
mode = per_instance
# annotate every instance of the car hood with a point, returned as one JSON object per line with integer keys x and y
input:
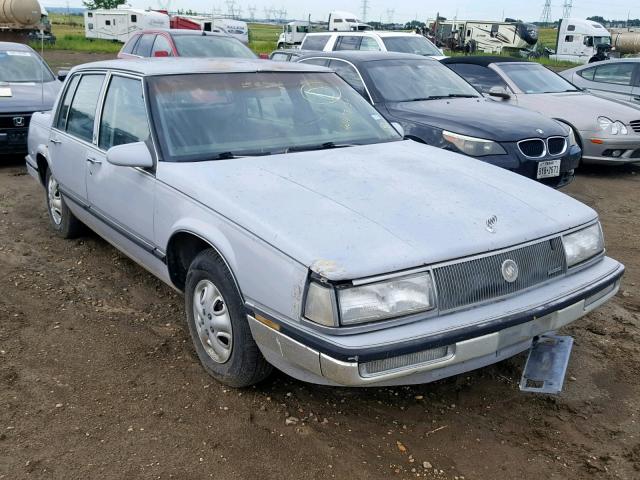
{"x": 361, "y": 211}
{"x": 477, "y": 118}
{"x": 29, "y": 97}
{"x": 579, "y": 108}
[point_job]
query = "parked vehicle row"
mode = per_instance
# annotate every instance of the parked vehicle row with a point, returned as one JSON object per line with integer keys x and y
{"x": 307, "y": 233}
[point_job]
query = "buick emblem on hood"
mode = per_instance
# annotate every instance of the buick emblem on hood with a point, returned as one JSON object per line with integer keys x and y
{"x": 509, "y": 270}
{"x": 492, "y": 222}
{"x": 18, "y": 121}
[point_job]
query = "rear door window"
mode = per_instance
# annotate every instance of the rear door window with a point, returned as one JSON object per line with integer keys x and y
{"x": 82, "y": 113}
{"x": 619, "y": 73}
{"x": 348, "y": 42}
{"x": 369, "y": 44}
{"x": 61, "y": 122}
{"x": 315, "y": 42}
{"x": 144, "y": 46}
{"x": 482, "y": 78}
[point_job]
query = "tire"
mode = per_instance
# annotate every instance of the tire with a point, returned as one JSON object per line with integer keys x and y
{"x": 219, "y": 328}
{"x": 62, "y": 221}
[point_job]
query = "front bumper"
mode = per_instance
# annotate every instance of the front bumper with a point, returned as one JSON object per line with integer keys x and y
{"x": 601, "y": 153}
{"x": 435, "y": 348}
{"x": 13, "y": 141}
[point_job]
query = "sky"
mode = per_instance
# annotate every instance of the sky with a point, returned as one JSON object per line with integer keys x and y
{"x": 403, "y": 10}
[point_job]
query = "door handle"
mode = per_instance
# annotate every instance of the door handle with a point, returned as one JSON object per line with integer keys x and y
{"x": 57, "y": 142}
{"x": 94, "y": 161}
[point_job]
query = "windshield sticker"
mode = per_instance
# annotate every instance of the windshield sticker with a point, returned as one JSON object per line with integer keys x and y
{"x": 13, "y": 53}
{"x": 5, "y": 92}
{"x": 320, "y": 93}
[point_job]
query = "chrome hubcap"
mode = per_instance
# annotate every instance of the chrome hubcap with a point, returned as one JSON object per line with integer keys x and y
{"x": 213, "y": 322}
{"x": 55, "y": 201}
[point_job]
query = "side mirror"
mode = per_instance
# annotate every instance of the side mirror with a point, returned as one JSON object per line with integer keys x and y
{"x": 499, "y": 92}
{"x": 62, "y": 75}
{"x": 399, "y": 128}
{"x": 160, "y": 54}
{"x": 130, "y": 155}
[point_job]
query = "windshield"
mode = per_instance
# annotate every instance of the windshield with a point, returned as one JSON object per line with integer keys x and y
{"x": 421, "y": 80}
{"x": 602, "y": 40}
{"x": 220, "y": 116}
{"x": 534, "y": 78}
{"x": 411, "y": 44}
{"x": 210, "y": 46}
{"x": 23, "y": 67}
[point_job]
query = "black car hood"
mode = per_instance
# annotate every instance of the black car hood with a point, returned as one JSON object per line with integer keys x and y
{"x": 477, "y": 117}
{"x": 29, "y": 97}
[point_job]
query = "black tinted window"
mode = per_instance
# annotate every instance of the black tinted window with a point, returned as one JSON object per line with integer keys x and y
{"x": 83, "y": 108}
{"x": 482, "y": 78}
{"x": 66, "y": 103}
{"x": 616, "y": 73}
{"x": 144, "y": 45}
{"x": 124, "y": 117}
{"x": 348, "y": 42}
{"x": 315, "y": 42}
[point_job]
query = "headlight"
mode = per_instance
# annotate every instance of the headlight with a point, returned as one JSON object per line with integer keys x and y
{"x": 583, "y": 244}
{"x": 475, "y": 147}
{"x": 369, "y": 303}
{"x": 614, "y": 128}
{"x": 393, "y": 298}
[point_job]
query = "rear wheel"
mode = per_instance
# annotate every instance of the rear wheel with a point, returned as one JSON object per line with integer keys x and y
{"x": 218, "y": 325}
{"x": 62, "y": 220}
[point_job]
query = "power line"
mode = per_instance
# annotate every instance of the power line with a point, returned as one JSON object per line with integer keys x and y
{"x": 546, "y": 12}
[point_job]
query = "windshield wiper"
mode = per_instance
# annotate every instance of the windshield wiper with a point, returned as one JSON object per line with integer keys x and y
{"x": 440, "y": 97}
{"x": 321, "y": 146}
{"x": 232, "y": 155}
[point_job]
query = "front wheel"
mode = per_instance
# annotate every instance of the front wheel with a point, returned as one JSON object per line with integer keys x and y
{"x": 62, "y": 220}
{"x": 218, "y": 325}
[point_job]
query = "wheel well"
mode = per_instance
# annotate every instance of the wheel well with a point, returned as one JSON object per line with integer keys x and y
{"x": 43, "y": 166}
{"x": 182, "y": 249}
{"x": 575, "y": 131}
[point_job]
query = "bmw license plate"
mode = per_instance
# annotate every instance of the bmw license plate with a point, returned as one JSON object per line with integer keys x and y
{"x": 549, "y": 168}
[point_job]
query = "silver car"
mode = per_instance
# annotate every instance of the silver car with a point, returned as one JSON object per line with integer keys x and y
{"x": 608, "y": 131}
{"x": 305, "y": 233}
{"x": 618, "y": 79}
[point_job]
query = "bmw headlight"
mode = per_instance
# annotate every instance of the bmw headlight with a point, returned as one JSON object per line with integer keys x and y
{"x": 475, "y": 147}
{"x": 614, "y": 128}
{"x": 370, "y": 302}
{"x": 583, "y": 244}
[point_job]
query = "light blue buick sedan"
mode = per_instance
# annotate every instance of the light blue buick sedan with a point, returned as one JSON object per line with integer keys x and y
{"x": 305, "y": 233}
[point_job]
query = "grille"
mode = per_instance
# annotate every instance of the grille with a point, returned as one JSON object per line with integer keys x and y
{"x": 532, "y": 148}
{"x": 481, "y": 279}
{"x": 6, "y": 121}
{"x": 557, "y": 145}
{"x": 635, "y": 125}
{"x": 373, "y": 367}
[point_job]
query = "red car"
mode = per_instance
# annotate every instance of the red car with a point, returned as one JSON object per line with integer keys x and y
{"x": 183, "y": 43}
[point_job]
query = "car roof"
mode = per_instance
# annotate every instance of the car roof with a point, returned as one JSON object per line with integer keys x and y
{"x": 482, "y": 60}
{"x": 182, "y": 65}
{"x": 368, "y": 32}
{"x": 359, "y": 56}
{"x": 182, "y": 31}
{"x": 15, "y": 46}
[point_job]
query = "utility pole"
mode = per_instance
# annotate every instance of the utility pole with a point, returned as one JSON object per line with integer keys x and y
{"x": 545, "y": 18}
{"x": 566, "y": 8}
{"x": 365, "y": 9}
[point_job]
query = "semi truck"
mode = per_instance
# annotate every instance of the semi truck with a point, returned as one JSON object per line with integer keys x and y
{"x": 581, "y": 41}
{"x": 24, "y": 20}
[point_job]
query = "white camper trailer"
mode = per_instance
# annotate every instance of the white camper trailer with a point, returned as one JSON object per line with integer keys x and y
{"x": 484, "y": 36}
{"x": 346, "y": 22}
{"x": 120, "y": 23}
{"x": 235, "y": 28}
{"x": 578, "y": 40}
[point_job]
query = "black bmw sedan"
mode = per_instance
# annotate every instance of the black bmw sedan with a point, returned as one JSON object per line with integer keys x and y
{"x": 435, "y": 106}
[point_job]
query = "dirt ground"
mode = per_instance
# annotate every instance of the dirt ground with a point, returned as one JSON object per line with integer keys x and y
{"x": 98, "y": 379}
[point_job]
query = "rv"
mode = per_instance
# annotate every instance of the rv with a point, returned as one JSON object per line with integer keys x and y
{"x": 484, "y": 36}
{"x": 120, "y": 23}
{"x": 292, "y": 34}
{"x": 578, "y": 40}
{"x": 346, "y": 22}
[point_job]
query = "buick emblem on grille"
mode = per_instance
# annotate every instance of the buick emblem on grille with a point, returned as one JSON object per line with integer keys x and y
{"x": 540, "y": 131}
{"x": 492, "y": 221}
{"x": 18, "y": 121}
{"x": 510, "y": 270}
